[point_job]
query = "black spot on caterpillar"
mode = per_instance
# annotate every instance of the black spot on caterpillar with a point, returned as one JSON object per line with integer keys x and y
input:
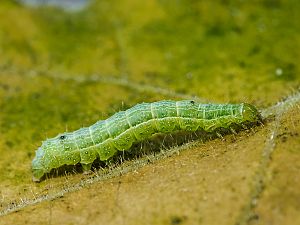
{"x": 104, "y": 138}
{"x": 62, "y": 137}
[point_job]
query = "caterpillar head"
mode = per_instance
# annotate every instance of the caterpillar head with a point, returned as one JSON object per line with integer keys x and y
{"x": 250, "y": 113}
{"x": 51, "y": 154}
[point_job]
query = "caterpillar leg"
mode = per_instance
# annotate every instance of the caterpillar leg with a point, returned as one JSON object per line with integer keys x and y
{"x": 37, "y": 180}
{"x": 220, "y": 136}
{"x": 86, "y": 168}
{"x": 233, "y": 131}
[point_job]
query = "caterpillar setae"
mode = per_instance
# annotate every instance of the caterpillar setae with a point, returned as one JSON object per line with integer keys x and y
{"x": 117, "y": 133}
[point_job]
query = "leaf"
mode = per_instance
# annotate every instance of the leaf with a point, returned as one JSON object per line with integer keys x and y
{"x": 61, "y": 70}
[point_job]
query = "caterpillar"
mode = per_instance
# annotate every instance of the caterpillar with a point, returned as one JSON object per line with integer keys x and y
{"x": 106, "y": 137}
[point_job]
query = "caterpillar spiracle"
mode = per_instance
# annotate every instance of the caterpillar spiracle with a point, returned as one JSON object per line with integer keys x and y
{"x": 105, "y": 138}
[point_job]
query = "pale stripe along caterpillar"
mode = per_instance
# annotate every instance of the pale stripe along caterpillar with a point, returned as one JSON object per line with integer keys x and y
{"x": 117, "y": 133}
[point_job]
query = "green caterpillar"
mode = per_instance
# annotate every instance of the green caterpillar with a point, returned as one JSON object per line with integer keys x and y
{"x": 117, "y": 133}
